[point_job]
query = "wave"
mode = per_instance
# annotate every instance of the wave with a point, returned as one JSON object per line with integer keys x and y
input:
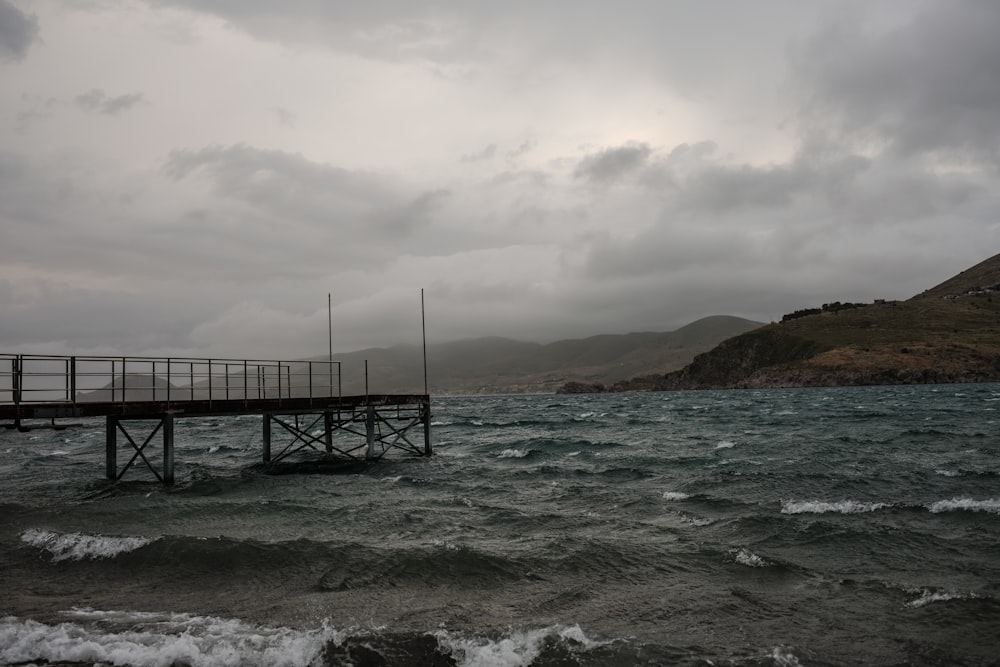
{"x": 927, "y": 597}
{"x": 78, "y": 546}
{"x": 513, "y": 453}
{"x": 145, "y": 638}
{"x": 444, "y": 564}
{"x": 839, "y": 507}
{"x": 675, "y": 495}
{"x": 517, "y": 647}
{"x": 744, "y": 556}
{"x": 966, "y": 504}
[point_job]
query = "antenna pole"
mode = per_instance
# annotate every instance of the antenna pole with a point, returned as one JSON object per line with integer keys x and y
{"x": 423, "y": 326}
{"x": 329, "y": 328}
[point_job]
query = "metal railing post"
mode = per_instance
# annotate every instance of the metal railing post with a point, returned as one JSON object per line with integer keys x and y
{"x": 17, "y": 365}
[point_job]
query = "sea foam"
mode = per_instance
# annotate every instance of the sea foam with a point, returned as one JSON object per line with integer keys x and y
{"x": 744, "y": 556}
{"x": 928, "y": 597}
{"x": 839, "y": 507}
{"x": 514, "y": 650}
{"x": 514, "y": 453}
{"x": 143, "y": 638}
{"x": 77, "y": 546}
{"x": 968, "y": 504}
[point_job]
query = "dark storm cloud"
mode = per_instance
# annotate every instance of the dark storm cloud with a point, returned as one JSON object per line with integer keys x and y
{"x": 719, "y": 189}
{"x": 285, "y": 184}
{"x": 412, "y": 215}
{"x": 381, "y": 29}
{"x": 17, "y": 32}
{"x": 99, "y": 102}
{"x": 872, "y": 155}
{"x": 611, "y": 164}
{"x": 930, "y": 85}
{"x": 95, "y": 319}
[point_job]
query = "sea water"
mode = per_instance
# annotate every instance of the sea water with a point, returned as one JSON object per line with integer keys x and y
{"x": 782, "y": 527}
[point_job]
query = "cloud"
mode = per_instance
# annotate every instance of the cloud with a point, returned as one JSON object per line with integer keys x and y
{"x": 545, "y": 170}
{"x": 385, "y": 29}
{"x": 99, "y": 102}
{"x": 285, "y": 117}
{"x": 286, "y": 185}
{"x": 927, "y": 85}
{"x": 612, "y": 164}
{"x": 485, "y": 154}
{"x": 412, "y": 215}
{"x": 17, "y": 32}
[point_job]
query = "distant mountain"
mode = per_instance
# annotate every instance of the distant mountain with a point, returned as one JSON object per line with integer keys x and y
{"x": 949, "y": 333}
{"x": 136, "y": 387}
{"x": 500, "y": 365}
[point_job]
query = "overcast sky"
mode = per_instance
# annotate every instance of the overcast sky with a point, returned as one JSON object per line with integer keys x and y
{"x": 193, "y": 177}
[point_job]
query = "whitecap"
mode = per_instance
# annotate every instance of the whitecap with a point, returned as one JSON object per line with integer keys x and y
{"x": 445, "y": 544}
{"x": 675, "y": 495}
{"x": 145, "y": 638}
{"x": 839, "y": 507}
{"x": 947, "y": 473}
{"x": 783, "y": 657}
{"x": 697, "y": 521}
{"x": 517, "y": 648}
{"x": 725, "y": 444}
{"x": 928, "y": 597}
{"x": 78, "y": 546}
{"x": 514, "y": 453}
{"x": 744, "y": 556}
{"x": 968, "y": 504}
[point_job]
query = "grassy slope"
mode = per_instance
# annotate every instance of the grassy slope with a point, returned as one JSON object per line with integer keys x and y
{"x": 946, "y": 334}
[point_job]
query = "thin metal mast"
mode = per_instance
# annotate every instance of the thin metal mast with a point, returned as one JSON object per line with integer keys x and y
{"x": 423, "y": 326}
{"x": 329, "y": 325}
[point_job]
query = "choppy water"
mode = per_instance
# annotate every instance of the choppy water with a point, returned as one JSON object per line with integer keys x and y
{"x": 784, "y": 527}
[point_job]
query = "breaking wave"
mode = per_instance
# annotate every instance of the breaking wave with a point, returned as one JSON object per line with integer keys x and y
{"x": 146, "y": 638}
{"x": 967, "y": 504}
{"x": 77, "y": 546}
{"x": 839, "y": 507}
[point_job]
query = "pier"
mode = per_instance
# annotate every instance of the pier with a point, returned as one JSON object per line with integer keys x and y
{"x": 301, "y": 404}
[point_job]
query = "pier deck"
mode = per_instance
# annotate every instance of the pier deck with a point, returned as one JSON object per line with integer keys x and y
{"x": 302, "y": 398}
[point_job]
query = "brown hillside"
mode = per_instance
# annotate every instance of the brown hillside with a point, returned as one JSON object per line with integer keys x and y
{"x": 950, "y": 333}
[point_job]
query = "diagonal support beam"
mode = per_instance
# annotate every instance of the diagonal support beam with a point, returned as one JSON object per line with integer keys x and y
{"x": 115, "y": 425}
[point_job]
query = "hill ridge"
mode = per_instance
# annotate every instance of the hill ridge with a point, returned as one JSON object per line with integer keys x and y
{"x": 493, "y": 364}
{"x": 948, "y": 333}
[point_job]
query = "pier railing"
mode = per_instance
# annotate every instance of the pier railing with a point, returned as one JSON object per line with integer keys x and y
{"x": 28, "y": 379}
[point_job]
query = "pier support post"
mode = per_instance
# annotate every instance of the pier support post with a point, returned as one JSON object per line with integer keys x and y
{"x": 370, "y": 432}
{"x": 267, "y": 437}
{"x": 328, "y": 430}
{"x": 168, "y": 449}
{"x": 111, "y": 448}
{"x": 426, "y": 418}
